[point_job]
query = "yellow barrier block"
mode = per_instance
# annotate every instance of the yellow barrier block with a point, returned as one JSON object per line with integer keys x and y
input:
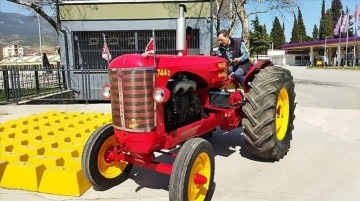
{"x": 66, "y": 153}
{"x": 30, "y": 150}
{"x": 42, "y": 152}
{"x": 10, "y": 141}
{"x": 48, "y": 161}
{"x": 72, "y": 145}
{"x": 44, "y": 143}
{"x": 14, "y": 157}
{"x": 73, "y": 162}
{"x": 22, "y": 175}
{"x": 55, "y": 179}
{"x": 3, "y": 165}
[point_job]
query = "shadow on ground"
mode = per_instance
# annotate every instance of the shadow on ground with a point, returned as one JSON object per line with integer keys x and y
{"x": 224, "y": 144}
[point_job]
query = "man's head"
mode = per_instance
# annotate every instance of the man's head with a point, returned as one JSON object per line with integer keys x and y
{"x": 223, "y": 37}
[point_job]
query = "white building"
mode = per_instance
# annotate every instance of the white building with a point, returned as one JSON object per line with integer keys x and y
{"x": 12, "y": 51}
{"x": 286, "y": 57}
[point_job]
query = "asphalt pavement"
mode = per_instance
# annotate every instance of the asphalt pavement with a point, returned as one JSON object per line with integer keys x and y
{"x": 323, "y": 163}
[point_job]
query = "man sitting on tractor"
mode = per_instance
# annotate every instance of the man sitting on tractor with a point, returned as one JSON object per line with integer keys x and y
{"x": 235, "y": 51}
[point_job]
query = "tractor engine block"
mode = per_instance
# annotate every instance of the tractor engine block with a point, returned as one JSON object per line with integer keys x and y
{"x": 183, "y": 106}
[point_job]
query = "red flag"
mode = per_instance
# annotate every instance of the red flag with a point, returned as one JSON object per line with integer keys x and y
{"x": 150, "y": 47}
{"x": 105, "y": 51}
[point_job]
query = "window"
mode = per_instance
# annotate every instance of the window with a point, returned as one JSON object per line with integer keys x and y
{"x": 88, "y": 45}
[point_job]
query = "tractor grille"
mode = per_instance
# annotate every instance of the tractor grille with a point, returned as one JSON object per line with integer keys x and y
{"x": 131, "y": 99}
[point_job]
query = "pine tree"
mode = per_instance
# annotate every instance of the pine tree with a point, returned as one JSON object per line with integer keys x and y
{"x": 336, "y": 7}
{"x": 328, "y": 26}
{"x": 321, "y": 30}
{"x": 277, "y": 34}
{"x": 259, "y": 39}
{"x": 283, "y": 29}
{"x": 315, "y": 33}
{"x": 301, "y": 27}
{"x": 264, "y": 29}
{"x": 295, "y": 38}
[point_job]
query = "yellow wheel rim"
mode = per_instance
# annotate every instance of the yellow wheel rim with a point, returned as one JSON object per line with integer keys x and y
{"x": 282, "y": 114}
{"x": 109, "y": 169}
{"x": 202, "y": 165}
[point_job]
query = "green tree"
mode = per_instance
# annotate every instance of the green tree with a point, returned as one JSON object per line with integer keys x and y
{"x": 264, "y": 28}
{"x": 336, "y": 7}
{"x": 295, "y": 38}
{"x": 321, "y": 29}
{"x": 315, "y": 33}
{"x": 283, "y": 29}
{"x": 301, "y": 27}
{"x": 259, "y": 39}
{"x": 277, "y": 34}
{"x": 328, "y": 26}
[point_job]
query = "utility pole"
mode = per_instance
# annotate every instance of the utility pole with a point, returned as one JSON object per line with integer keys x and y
{"x": 41, "y": 54}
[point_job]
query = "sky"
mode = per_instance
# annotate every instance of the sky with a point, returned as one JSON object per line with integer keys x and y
{"x": 311, "y": 11}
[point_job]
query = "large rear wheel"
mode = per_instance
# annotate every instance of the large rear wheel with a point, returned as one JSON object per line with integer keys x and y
{"x": 99, "y": 170}
{"x": 269, "y": 113}
{"x": 193, "y": 172}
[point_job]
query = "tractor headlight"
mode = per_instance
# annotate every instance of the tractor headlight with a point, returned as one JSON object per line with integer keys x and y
{"x": 161, "y": 95}
{"x": 106, "y": 91}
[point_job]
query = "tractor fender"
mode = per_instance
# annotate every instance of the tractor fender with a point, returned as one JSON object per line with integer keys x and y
{"x": 253, "y": 71}
{"x": 184, "y": 84}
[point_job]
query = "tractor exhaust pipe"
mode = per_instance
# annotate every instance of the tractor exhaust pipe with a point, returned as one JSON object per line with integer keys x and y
{"x": 180, "y": 31}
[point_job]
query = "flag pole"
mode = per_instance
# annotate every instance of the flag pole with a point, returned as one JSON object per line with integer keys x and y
{"x": 153, "y": 36}
{"x": 339, "y": 48}
{"x": 347, "y": 42}
{"x": 355, "y": 28}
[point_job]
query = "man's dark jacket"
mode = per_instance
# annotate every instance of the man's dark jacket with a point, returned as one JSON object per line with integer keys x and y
{"x": 235, "y": 47}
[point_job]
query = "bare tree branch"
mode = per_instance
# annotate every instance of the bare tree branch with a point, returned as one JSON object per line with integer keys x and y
{"x": 267, "y": 5}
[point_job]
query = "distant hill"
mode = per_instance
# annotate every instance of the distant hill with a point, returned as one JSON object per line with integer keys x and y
{"x": 24, "y": 30}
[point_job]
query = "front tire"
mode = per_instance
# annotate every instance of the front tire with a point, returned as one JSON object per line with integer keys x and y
{"x": 269, "y": 113}
{"x": 98, "y": 170}
{"x": 193, "y": 172}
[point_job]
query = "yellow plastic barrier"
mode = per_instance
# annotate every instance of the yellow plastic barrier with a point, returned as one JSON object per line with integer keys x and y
{"x": 43, "y": 152}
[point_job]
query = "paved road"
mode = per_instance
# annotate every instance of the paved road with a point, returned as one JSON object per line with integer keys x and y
{"x": 323, "y": 163}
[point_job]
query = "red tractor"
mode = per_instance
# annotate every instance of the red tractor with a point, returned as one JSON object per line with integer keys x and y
{"x": 159, "y": 102}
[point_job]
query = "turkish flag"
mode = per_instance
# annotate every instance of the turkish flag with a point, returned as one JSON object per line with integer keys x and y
{"x": 150, "y": 47}
{"x": 105, "y": 52}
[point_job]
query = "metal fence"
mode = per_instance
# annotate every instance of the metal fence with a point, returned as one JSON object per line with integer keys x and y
{"x": 87, "y": 45}
{"x": 51, "y": 85}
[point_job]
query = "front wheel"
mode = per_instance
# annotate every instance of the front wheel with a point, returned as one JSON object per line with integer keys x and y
{"x": 269, "y": 113}
{"x": 193, "y": 172}
{"x": 101, "y": 172}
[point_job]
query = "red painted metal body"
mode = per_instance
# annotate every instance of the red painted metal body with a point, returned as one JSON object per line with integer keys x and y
{"x": 209, "y": 72}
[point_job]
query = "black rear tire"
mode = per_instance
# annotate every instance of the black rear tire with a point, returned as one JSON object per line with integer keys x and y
{"x": 269, "y": 113}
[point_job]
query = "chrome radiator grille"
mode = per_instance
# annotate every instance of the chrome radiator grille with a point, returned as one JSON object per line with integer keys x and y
{"x": 131, "y": 99}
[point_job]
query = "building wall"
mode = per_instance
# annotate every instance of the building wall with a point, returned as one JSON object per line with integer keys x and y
{"x": 132, "y": 17}
{"x": 132, "y": 11}
{"x": 12, "y": 50}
